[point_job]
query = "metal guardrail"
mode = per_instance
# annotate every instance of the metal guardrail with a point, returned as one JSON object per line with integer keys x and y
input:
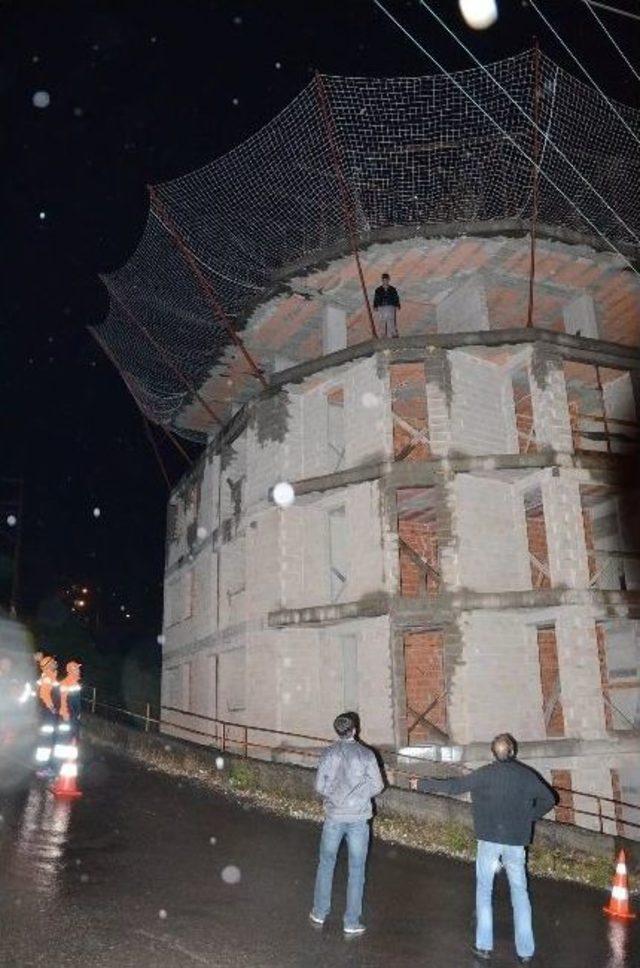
{"x": 238, "y": 738}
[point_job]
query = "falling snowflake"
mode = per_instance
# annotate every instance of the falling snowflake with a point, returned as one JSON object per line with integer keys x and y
{"x": 219, "y": 763}
{"x": 231, "y": 874}
{"x": 42, "y": 216}
{"x": 202, "y": 533}
{"x": 283, "y": 494}
{"x": 41, "y": 99}
{"x": 12, "y": 520}
{"x": 160, "y": 639}
{"x": 162, "y": 914}
{"x": 84, "y": 878}
{"x": 213, "y": 841}
{"x": 237, "y": 21}
{"x": 96, "y": 512}
{"x": 235, "y": 101}
{"x": 370, "y": 400}
{"x": 278, "y": 65}
{"x": 78, "y": 112}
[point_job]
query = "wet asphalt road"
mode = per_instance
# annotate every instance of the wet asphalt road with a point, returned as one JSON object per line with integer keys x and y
{"x": 128, "y": 877}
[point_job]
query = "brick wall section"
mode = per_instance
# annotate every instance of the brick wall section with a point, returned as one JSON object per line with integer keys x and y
{"x": 604, "y": 673}
{"x": 482, "y": 410}
{"x": 425, "y": 682}
{"x": 549, "y": 678}
{"x": 422, "y": 536}
{"x": 438, "y": 388}
{"x": 524, "y": 420}
{"x": 537, "y": 542}
{"x": 409, "y": 402}
{"x": 549, "y": 400}
{"x": 564, "y": 811}
{"x": 565, "y": 533}
{"x": 580, "y": 675}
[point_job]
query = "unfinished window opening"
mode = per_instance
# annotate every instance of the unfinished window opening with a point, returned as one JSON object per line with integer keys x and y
{"x": 335, "y": 428}
{"x": 601, "y": 409}
{"x": 418, "y": 542}
{"x": 334, "y": 329}
{"x": 409, "y": 412}
{"x": 338, "y": 554}
{"x": 611, "y": 566}
{"x": 537, "y": 539}
{"x": 619, "y": 658}
{"x": 425, "y": 686}
{"x": 523, "y": 407}
{"x": 233, "y": 678}
{"x": 561, "y": 780}
{"x": 552, "y": 710}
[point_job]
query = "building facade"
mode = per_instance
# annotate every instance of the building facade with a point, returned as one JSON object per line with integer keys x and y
{"x": 462, "y": 556}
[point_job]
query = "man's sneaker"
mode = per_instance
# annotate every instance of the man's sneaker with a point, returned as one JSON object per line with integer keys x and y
{"x": 484, "y": 954}
{"x": 353, "y": 929}
{"x": 316, "y": 920}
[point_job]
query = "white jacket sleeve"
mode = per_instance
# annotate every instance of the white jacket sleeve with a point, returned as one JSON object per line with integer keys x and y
{"x": 374, "y": 776}
{"x": 324, "y": 776}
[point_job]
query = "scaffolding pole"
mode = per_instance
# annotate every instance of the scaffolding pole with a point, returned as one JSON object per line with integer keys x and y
{"x": 535, "y": 150}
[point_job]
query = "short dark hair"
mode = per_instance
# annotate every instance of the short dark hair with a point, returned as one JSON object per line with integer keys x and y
{"x": 344, "y": 725}
{"x": 385, "y": 275}
{"x": 504, "y": 747}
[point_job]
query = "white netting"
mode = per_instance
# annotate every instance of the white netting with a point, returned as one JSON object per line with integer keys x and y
{"x": 414, "y": 151}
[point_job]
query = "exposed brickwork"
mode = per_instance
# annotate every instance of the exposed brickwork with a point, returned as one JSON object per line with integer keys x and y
{"x": 409, "y": 404}
{"x": 565, "y": 809}
{"x": 550, "y": 681}
{"x": 422, "y": 537}
{"x": 425, "y": 683}
{"x": 537, "y": 541}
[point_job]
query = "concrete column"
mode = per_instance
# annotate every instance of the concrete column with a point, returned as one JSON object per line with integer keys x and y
{"x": 438, "y": 389}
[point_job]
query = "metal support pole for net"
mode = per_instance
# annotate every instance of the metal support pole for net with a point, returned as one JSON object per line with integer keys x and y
{"x": 535, "y": 148}
{"x": 191, "y": 387}
{"x": 219, "y": 312}
{"x": 345, "y": 192}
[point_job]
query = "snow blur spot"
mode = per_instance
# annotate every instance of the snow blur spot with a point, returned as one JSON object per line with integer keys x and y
{"x": 287, "y": 662}
{"x": 12, "y": 520}
{"x": 278, "y": 65}
{"x": 84, "y": 878}
{"x": 167, "y": 748}
{"x": 283, "y": 494}
{"x": 286, "y": 697}
{"x": 237, "y": 21}
{"x": 160, "y": 639}
{"x": 41, "y": 99}
{"x": 231, "y": 874}
{"x": 219, "y": 763}
{"x": 78, "y": 862}
{"x": 96, "y": 512}
{"x": 370, "y": 400}
{"x": 78, "y": 112}
{"x": 202, "y": 533}
{"x": 235, "y": 101}
{"x": 162, "y": 914}
{"x": 213, "y": 841}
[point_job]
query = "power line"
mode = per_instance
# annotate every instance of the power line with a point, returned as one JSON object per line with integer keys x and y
{"x": 531, "y": 120}
{"x": 606, "y": 6}
{"x": 612, "y": 39}
{"x": 505, "y": 133}
{"x": 584, "y": 71}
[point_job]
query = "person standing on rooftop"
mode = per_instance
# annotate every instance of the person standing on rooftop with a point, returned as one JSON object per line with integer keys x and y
{"x": 386, "y": 303}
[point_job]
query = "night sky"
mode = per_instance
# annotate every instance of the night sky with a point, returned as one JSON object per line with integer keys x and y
{"x": 142, "y": 91}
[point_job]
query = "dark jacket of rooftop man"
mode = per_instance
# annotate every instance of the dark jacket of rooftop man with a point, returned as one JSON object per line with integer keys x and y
{"x": 386, "y": 297}
{"x": 507, "y": 798}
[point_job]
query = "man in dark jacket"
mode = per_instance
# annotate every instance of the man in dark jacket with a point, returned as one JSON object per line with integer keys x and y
{"x": 507, "y": 798}
{"x": 386, "y": 302}
{"x": 348, "y": 778}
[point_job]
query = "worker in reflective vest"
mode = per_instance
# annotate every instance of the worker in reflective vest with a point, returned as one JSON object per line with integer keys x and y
{"x": 70, "y": 706}
{"x": 48, "y": 698}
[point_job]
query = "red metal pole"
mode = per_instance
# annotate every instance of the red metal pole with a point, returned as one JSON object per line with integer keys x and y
{"x": 536, "y": 177}
{"x": 160, "y": 211}
{"x": 345, "y": 192}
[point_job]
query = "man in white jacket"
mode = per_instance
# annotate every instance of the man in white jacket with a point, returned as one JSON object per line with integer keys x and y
{"x": 348, "y": 778}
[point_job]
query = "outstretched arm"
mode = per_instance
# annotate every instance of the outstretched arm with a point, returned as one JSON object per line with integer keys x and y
{"x": 451, "y": 785}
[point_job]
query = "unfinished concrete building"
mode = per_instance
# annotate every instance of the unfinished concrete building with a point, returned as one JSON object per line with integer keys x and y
{"x": 462, "y": 556}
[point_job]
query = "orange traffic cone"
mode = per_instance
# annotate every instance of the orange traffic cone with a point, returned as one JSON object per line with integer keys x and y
{"x": 66, "y": 784}
{"x": 618, "y": 906}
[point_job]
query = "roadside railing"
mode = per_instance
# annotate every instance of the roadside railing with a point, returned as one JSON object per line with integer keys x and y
{"x": 241, "y": 738}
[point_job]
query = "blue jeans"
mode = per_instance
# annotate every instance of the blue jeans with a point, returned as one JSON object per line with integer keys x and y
{"x": 357, "y": 835}
{"x": 487, "y": 865}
